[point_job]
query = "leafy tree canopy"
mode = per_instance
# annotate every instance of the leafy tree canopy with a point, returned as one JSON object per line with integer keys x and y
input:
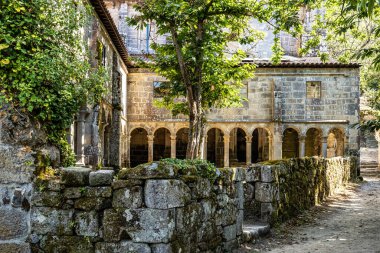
{"x": 44, "y": 62}
{"x": 198, "y": 62}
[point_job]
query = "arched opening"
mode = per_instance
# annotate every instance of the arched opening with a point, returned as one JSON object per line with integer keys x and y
{"x": 238, "y": 147}
{"x": 290, "y": 144}
{"x": 335, "y": 143}
{"x": 182, "y": 139}
{"x": 313, "y": 143}
{"x": 161, "y": 144}
{"x": 260, "y": 145}
{"x": 139, "y": 147}
{"x": 215, "y": 147}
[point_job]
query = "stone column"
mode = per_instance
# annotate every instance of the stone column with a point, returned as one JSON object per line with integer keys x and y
{"x": 115, "y": 134}
{"x": 128, "y": 152}
{"x": 324, "y": 147}
{"x": 205, "y": 148}
{"x": 277, "y": 146}
{"x": 377, "y": 136}
{"x": 302, "y": 146}
{"x": 270, "y": 144}
{"x": 80, "y": 137}
{"x": 173, "y": 143}
{"x": 226, "y": 140}
{"x": 150, "y": 147}
{"x": 248, "y": 141}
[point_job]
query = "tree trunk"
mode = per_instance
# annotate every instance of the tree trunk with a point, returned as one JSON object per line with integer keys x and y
{"x": 197, "y": 122}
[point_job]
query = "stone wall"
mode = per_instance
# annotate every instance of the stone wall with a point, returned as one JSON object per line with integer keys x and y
{"x": 151, "y": 208}
{"x": 283, "y": 189}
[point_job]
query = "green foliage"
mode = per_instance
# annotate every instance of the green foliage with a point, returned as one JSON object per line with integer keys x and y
{"x": 203, "y": 168}
{"x": 44, "y": 62}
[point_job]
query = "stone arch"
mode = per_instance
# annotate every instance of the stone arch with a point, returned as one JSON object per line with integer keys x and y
{"x": 238, "y": 147}
{"x": 138, "y": 146}
{"x": 335, "y": 142}
{"x": 161, "y": 144}
{"x": 215, "y": 146}
{"x": 260, "y": 145}
{"x": 148, "y": 131}
{"x": 290, "y": 143}
{"x": 313, "y": 142}
{"x": 182, "y": 139}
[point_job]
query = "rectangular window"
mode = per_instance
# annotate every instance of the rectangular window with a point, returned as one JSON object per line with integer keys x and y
{"x": 313, "y": 89}
{"x": 160, "y": 89}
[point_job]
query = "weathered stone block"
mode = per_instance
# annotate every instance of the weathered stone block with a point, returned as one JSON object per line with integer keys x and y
{"x": 126, "y": 183}
{"x": 87, "y": 223}
{"x": 16, "y": 164}
{"x": 113, "y": 226}
{"x": 161, "y": 248}
{"x": 240, "y": 194}
{"x": 239, "y": 222}
{"x": 229, "y": 246}
{"x": 47, "y": 199}
{"x": 14, "y": 248}
{"x": 94, "y": 192}
{"x": 229, "y": 232}
{"x": 149, "y": 171}
{"x": 264, "y": 192}
{"x": 268, "y": 173}
{"x": 249, "y": 192}
{"x": 45, "y": 220}
{"x": 73, "y": 192}
{"x": 207, "y": 232}
{"x": 208, "y": 209}
{"x": 239, "y": 174}
{"x": 202, "y": 188}
{"x": 125, "y": 246}
{"x": 150, "y": 225}
{"x": 101, "y": 177}
{"x": 266, "y": 211}
{"x": 226, "y": 215}
{"x": 128, "y": 197}
{"x": 75, "y": 176}
{"x": 253, "y": 174}
{"x": 13, "y": 223}
{"x": 163, "y": 194}
{"x": 66, "y": 244}
{"x": 189, "y": 218}
{"x": 88, "y": 204}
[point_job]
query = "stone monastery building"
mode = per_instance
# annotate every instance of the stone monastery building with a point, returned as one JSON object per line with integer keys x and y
{"x": 301, "y": 107}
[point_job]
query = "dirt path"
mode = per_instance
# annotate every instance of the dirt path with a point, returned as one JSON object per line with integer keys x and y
{"x": 350, "y": 222}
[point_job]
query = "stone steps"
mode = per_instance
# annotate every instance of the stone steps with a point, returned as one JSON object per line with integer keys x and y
{"x": 252, "y": 231}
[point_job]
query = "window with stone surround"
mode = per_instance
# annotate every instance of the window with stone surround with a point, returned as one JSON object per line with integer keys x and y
{"x": 313, "y": 89}
{"x": 160, "y": 89}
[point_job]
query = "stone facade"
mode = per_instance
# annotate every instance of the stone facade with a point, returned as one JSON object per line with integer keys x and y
{"x": 277, "y": 101}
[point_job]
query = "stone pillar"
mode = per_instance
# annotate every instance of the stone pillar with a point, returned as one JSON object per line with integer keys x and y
{"x": 173, "y": 143}
{"x": 277, "y": 146}
{"x": 324, "y": 147}
{"x": 128, "y": 151}
{"x": 270, "y": 142}
{"x": 115, "y": 134}
{"x": 80, "y": 136}
{"x": 248, "y": 141}
{"x": 205, "y": 148}
{"x": 302, "y": 139}
{"x": 150, "y": 147}
{"x": 226, "y": 140}
{"x": 377, "y": 136}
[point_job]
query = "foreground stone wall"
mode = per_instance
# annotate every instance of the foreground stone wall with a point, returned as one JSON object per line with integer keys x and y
{"x": 150, "y": 208}
{"x": 281, "y": 190}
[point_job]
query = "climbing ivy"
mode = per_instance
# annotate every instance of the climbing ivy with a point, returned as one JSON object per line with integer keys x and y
{"x": 44, "y": 62}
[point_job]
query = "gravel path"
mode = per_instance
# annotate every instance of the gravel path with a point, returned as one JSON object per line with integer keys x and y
{"x": 350, "y": 222}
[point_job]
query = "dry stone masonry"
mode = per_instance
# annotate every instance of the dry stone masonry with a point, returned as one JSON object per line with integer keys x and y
{"x": 282, "y": 189}
{"x": 151, "y": 208}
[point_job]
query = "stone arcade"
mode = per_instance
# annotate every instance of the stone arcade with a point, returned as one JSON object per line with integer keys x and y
{"x": 301, "y": 107}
